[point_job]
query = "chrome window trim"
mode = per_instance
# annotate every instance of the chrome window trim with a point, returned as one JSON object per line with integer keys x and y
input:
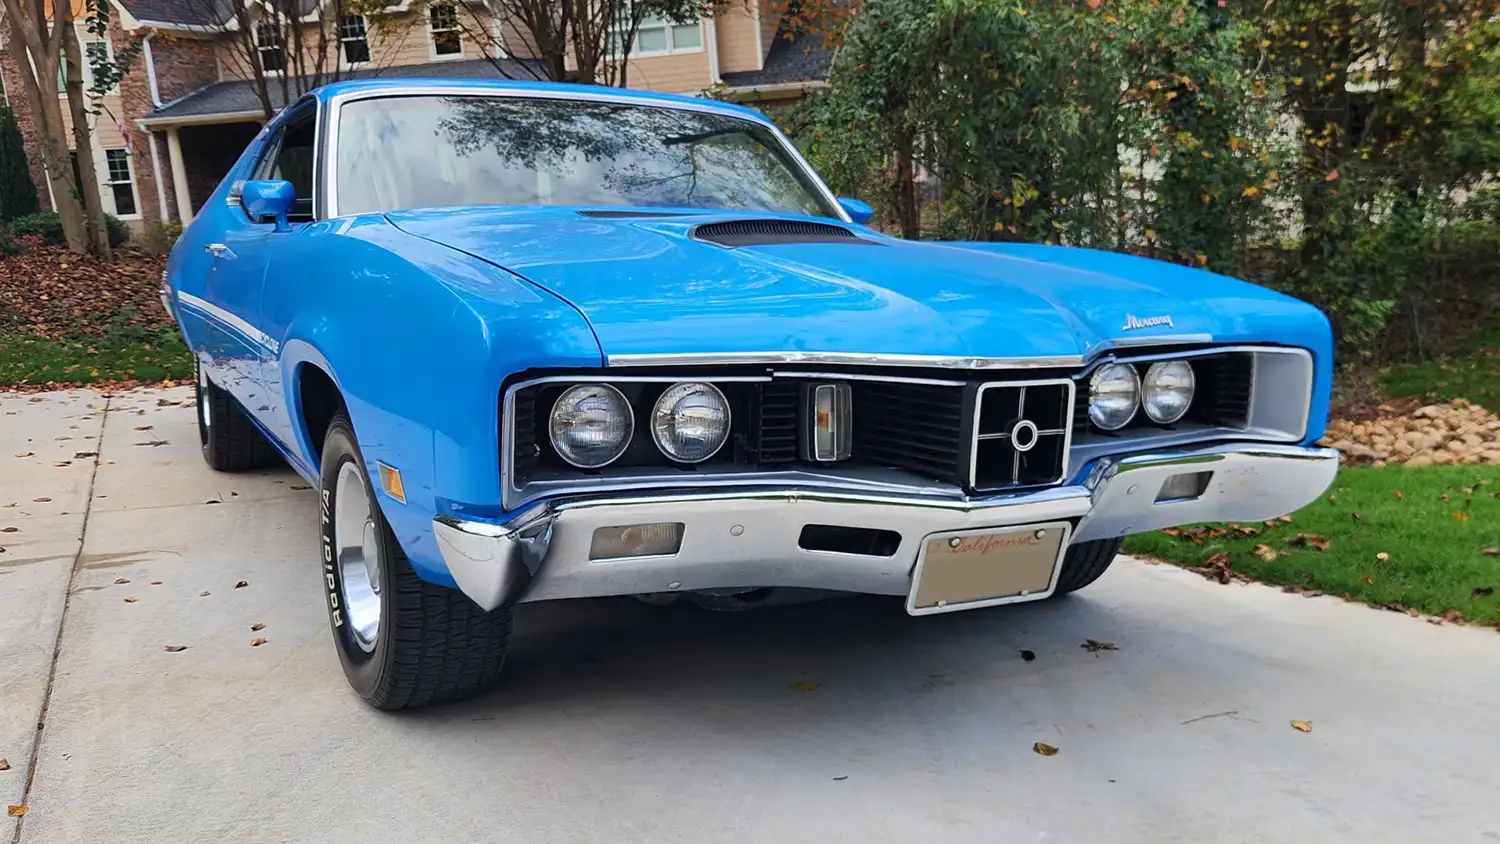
{"x": 335, "y": 105}
{"x": 854, "y": 358}
{"x": 1067, "y": 429}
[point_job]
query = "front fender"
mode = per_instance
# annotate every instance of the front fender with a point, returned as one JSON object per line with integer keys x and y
{"x": 419, "y": 339}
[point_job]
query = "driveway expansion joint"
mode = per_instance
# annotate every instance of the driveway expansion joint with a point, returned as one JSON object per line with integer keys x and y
{"x": 62, "y": 621}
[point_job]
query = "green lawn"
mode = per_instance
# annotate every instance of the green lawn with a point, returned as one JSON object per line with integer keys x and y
{"x": 130, "y": 355}
{"x": 1426, "y": 539}
{"x": 1471, "y": 371}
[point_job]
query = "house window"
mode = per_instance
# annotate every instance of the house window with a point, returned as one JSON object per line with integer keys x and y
{"x": 657, "y": 37}
{"x": 443, "y": 20}
{"x": 119, "y": 181}
{"x": 356, "y": 43}
{"x": 98, "y": 52}
{"x": 272, "y": 50}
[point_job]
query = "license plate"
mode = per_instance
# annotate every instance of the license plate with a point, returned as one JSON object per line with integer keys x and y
{"x": 981, "y": 568}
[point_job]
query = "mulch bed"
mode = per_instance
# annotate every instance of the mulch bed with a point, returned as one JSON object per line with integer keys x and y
{"x": 53, "y": 293}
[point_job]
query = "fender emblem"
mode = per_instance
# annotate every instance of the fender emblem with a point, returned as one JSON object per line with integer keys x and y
{"x": 1133, "y": 322}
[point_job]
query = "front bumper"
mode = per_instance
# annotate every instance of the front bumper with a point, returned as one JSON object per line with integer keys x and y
{"x": 748, "y": 539}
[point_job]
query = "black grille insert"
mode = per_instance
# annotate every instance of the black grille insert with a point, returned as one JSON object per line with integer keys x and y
{"x": 766, "y": 232}
{"x": 916, "y": 427}
{"x": 776, "y": 423}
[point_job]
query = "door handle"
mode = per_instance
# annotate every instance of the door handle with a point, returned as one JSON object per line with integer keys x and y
{"x": 215, "y": 249}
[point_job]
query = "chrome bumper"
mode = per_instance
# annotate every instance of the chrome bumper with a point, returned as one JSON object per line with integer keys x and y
{"x": 747, "y": 539}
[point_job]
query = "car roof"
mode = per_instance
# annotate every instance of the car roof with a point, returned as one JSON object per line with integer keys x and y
{"x": 396, "y": 86}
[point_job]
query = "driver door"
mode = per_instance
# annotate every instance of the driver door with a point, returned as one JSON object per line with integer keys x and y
{"x": 238, "y": 278}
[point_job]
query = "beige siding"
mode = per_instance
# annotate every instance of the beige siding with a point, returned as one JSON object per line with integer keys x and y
{"x": 681, "y": 73}
{"x": 769, "y": 20}
{"x": 736, "y": 27}
{"x": 394, "y": 40}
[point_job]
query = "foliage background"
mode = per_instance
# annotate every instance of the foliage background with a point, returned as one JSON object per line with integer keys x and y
{"x": 1340, "y": 151}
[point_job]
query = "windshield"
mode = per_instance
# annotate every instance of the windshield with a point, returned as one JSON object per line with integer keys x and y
{"x": 423, "y": 152}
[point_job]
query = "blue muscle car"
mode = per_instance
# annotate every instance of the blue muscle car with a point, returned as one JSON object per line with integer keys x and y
{"x": 534, "y": 342}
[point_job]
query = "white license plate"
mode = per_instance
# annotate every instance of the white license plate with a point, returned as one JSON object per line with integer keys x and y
{"x": 981, "y": 568}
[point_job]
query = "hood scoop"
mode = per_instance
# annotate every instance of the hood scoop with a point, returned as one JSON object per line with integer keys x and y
{"x": 735, "y": 233}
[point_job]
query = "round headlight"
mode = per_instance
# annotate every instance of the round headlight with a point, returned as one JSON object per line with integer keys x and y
{"x": 1167, "y": 390}
{"x": 691, "y": 422}
{"x": 1114, "y": 394}
{"x": 591, "y": 425}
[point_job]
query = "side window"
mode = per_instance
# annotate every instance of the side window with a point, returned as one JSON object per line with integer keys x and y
{"x": 289, "y": 157}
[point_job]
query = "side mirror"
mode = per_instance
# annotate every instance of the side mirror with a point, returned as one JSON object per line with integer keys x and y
{"x": 859, "y": 212}
{"x": 262, "y": 198}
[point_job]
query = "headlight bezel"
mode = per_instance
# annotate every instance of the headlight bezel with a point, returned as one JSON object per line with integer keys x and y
{"x": 659, "y": 437}
{"x": 629, "y": 419}
{"x": 1135, "y": 394}
{"x": 1152, "y": 373}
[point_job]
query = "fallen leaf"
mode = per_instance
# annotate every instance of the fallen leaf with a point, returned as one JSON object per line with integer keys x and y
{"x": 203, "y": 594}
{"x": 1482, "y": 592}
{"x": 242, "y": 584}
{"x": 63, "y": 464}
{"x": 42, "y": 500}
{"x": 80, "y": 455}
{"x": 1043, "y": 749}
{"x": 1400, "y": 496}
{"x": 130, "y": 599}
{"x": 804, "y": 687}
{"x": 1452, "y": 615}
{"x": 1460, "y": 516}
{"x": 1382, "y": 556}
{"x": 1283, "y": 518}
{"x": 10, "y": 529}
{"x": 15, "y": 811}
{"x": 4, "y": 764}
{"x": 257, "y": 642}
{"x": 1302, "y": 726}
{"x": 299, "y": 486}
{"x": 1365, "y": 578}
{"x": 156, "y": 583}
{"x": 1172, "y": 531}
{"x": 1245, "y": 532}
{"x": 257, "y": 626}
{"x": 1358, "y": 517}
{"x": 213, "y": 501}
{"x": 25, "y": 453}
{"x": 1265, "y": 552}
{"x": 1309, "y": 540}
{"x": 174, "y": 648}
{"x": 1491, "y": 551}
{"x": 143, "y": 427}
{"x": 1332, "y": 499}
{"x": 841, "y": 779}
{"x": 1094, "y": 645}
{"x": 1216, "y": 533}
{"x": 1443, "y": 497}
{"x": 154, "y": 443}
{"x": 1216, "y": 568}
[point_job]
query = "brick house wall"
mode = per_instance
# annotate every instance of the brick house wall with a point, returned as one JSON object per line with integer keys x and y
{"x": 183, "y": 65}
{"x": 20, "y": 106}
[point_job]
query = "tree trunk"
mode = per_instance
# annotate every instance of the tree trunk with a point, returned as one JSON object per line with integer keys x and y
{"x": 96, "y": 233}
{"x": 906, "y": 187}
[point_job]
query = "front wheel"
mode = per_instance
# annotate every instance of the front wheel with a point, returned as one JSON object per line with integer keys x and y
{"x": 403, "y": 642}
{"x": 1084, "y": 563}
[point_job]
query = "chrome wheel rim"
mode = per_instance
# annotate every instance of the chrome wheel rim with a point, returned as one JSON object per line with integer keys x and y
{"x": 205, "y": 411}
{"x": 358, "y": 555}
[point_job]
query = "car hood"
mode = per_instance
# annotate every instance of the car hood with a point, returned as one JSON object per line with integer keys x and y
{"x": 648, "y": 287}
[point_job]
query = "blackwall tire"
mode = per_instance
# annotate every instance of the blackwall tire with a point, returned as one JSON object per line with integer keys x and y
{"x": 429, "y": 644}
{"x": 1084, "y": 563}
{"x": 230, "y": 441}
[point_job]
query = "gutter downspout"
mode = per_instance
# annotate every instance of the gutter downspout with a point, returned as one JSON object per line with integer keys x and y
{"x": 713, "y": 52}
{"x": 151, "y": 85}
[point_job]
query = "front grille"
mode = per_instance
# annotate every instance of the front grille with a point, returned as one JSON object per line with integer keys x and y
{"x": 1224, "y": 384}
{"x": 776, "y": 426}
{"x": 916, "y": 427}
{"x": 1021, "y": 434}
{"x": 525, "y": 449}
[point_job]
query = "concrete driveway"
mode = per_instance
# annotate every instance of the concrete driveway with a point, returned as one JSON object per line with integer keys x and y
{"x": 845, "y": 721}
